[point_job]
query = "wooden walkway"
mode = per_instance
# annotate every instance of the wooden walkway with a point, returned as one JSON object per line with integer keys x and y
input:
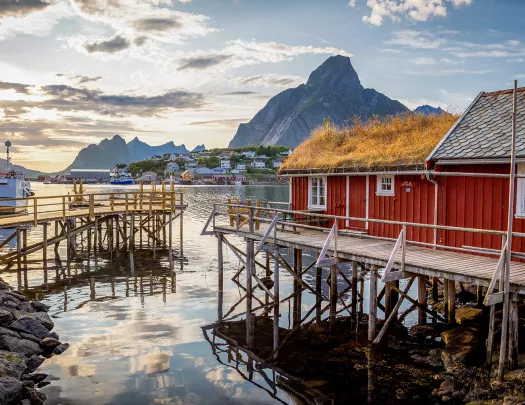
{"x": 445, "y": 264}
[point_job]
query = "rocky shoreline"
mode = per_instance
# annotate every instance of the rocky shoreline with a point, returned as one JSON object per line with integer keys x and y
{"x": 26, "y": 340}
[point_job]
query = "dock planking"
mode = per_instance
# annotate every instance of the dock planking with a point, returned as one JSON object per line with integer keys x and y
{"x": 460, "y": 267}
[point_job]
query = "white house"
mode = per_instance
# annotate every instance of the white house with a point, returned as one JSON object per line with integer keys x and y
{"x": 259, "y": 164}
{"x": 191, "y": 164}
{"x": 172, "y": 167}
{"x": 249, "y": 154}
{"x": 241, "y": 167}
{"x": 276, "y": 164}
{"x": 286, "y": 153}
{"x": 173, "y": 156}
{"x": 226, "y": 164}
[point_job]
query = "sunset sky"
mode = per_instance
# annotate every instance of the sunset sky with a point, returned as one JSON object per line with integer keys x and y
{"x": 73, "y": 72}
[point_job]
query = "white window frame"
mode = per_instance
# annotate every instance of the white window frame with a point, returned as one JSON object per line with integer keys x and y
{"x": 379, "y": 185}
{"x": 520, "y": 195}
{"x": 317, "y": 205}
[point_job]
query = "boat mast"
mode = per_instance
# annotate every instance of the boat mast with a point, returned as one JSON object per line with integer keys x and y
{"x": 8, "y": 158}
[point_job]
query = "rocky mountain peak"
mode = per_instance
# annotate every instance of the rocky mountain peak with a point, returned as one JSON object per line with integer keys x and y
{"x": 335, "y": 72}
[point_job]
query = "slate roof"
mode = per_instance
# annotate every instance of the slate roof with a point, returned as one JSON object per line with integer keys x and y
{"x": 484, "y": 130}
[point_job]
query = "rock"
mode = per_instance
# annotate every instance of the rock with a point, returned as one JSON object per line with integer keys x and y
{"x": 468, "y": 315}
{"x": 460, "y": 336}
{"x": 9, "y": 332}
{"x": 10, "y": 390}
{"x": 31, "y": 337}
{"x": 449, "y": 388}
{"x": 11, "y": 364}
{"x": 5, "y": 317}
{"x": 513, "y": 400}
{"x": 29, "y": 325}
{"x": 36, "y": 378}
{"x": 35, "y": 397}
{"x": 15, "y": 295}
{"x": 26, "y": 307}
{"x": 4, "y": 286}
{"x": 43, "y": 384}
{"x": 24, "y": 346}
{"x": 44, "y": 319}
{"x": 33, "y": 363}
{"x": 10, "y": 305}
{"x": 421, "y": 331}
{"x": 463, "y": 347}
{"x": 39, "y": 307}
{"x": 50, "y": 343}
{"x": 54, "y": 336}
{"x": 26, "y": 402}
{"x": 515, "y": 376}
{"x": 61, "y": 349}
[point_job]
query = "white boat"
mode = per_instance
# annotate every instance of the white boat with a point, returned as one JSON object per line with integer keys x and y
{"x": 121, "y": 179}
{"x": 13, "y": 185}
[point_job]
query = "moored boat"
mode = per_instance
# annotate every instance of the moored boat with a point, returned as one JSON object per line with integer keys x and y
{"x": 13, "y": 184}
{"x": 121, "y": 179}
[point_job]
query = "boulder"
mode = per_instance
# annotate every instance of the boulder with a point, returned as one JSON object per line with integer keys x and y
{"x": 10, "y": 305}
{"x": 54, "y": 335}
{"x": 26, "y": 307}
{"x": 36, "y": 378}
{"x": 31, "y": 337}
{"x": 514, "y": 400}
{"x": 468, "y": 315}
{"x": 4, "y": 286}
{"x": 12, "y": 364}
{"x": 463, "y": 348}
{"x": 35, "y": 397}
{"x": 33, "y": 363}
{"x": 26, "y": 402}
{"x": 15, "y": 295}
{"x": 39, "y": 307}
{"x": 5, "y": 317}
{"x": 460, "y": 336}
{"x": 29, "y": 325}
{"x": 50, "y": 343}
{"x": 23, "y": 346}
{"x": 450, "y": 388}
{"x": 421, "y": 331}
{"x": 61, "y": 348}
{"x": 44, "y": 319}
{"x": 9, "y": 332}
{"x": 10, "y": 390}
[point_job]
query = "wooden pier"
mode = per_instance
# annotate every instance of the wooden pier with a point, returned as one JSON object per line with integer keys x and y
{"x": 350, "y": 257}
{"x": 113, "y": 222}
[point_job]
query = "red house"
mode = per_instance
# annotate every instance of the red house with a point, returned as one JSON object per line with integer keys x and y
{"x": 418, "y": 190}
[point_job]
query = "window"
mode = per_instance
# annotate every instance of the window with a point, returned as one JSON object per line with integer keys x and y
{"x": 520, "y": 197}
{"x": 385, "y": 185}
{"x": 317, "y": 192}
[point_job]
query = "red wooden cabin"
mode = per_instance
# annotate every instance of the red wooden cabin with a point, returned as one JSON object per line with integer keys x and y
{"x": 479, "y": 142}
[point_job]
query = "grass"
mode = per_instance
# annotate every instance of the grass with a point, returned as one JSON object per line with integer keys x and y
{"x": 405, "y": 139}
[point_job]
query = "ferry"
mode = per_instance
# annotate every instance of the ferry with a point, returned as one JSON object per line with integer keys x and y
{"x": 13, "y": 185}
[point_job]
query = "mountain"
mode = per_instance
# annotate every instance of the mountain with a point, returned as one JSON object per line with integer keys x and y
{"x": 429, "y": 110}
{"x": 199, "y": 148}
{"x": 115, "y": 150}
{"x": 332, "y": 91}
{"x": 28, "y": 172}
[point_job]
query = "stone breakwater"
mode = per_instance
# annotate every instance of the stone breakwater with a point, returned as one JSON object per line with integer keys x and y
{"x": 26, "y": 339}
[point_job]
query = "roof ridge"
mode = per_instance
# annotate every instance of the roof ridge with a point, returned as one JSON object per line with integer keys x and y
{"x": 498, "y": 92}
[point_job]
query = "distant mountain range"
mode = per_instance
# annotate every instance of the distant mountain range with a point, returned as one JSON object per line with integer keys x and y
{"x": 115, "y": 150}
{"x": 429, "y": 110}
{"x": 332, "y": 91}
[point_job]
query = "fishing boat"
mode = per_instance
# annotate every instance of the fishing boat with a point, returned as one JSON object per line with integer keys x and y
{"x": 13, "y": 184}
{"x": 121, "y": 179}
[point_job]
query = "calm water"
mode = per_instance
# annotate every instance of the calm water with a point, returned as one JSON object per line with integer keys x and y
{"x": 136, "y": 338}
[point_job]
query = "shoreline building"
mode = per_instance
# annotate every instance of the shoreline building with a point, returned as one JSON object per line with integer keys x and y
{"x": 89, "y": 175}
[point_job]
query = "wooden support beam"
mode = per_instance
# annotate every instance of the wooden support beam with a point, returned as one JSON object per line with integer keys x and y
{"x": 297, "y": 267}
{"x": 372, "y": 307}
{"x": 490, "y": 337}
{"x": 413, "y": 301}
{"x": 249, "y": 292}
{"x": 220, "y": 281}
{"x": 354, "y": 290}
{"x": 422, "y": 298}
{"x": 513, "y": 331}
{"x": 333, "y": 297}
{"x": 451, "y": 301}
{"x": 276, "y": 306}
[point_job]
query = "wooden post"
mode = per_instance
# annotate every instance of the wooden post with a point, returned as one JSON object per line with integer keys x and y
{"x": 64, "y": 209}
{"x": 170, "y": 239}
{"x": 333, "y": 297}
{"x": 19, "y": 257}
{"x": 276, "y": 304}
{"x": 490, "y": 338}
{"x": 298, "y": 266}
{"x": 445, "y": 297}
{"x": 220, "y": 260}
{"x": 117, "y": 236}
{"x": 249, "y": 271}
{"x": 319, "y": 290}
{"x": 513, "y": 331}
{"x": 422, "y": 298}
{"x": 435, "y": 289}
{"x": 354, "y": 293}
{"x": 372, "y": 307}
{"x": 24, "y": 247}
{"x": 451, "y": 301}
{"x": 35, "y": 211}
{"x": 44, "y": 244}
{"x": 250, "y": 330}
{"x": 132, "y": 232}
{"x": 479, "y": 295}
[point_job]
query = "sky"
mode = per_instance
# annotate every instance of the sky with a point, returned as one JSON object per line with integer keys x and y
{"x": 73, "y": 72}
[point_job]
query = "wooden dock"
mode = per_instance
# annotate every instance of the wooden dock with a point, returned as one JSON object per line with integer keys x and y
{"x": 350, "y": 257}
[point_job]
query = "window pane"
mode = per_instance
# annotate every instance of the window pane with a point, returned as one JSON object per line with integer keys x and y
{"x": 321, "y": 200}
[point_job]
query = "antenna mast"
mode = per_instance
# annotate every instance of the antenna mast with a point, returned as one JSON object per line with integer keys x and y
{"x": 8, "y": 158}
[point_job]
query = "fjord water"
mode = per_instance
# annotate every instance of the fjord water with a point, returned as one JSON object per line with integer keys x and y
{"x": 142, "y": 343}
{"x": 136, "y": 335}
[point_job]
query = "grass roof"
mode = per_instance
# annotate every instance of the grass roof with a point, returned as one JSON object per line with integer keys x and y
{"x": 401, "y": 140}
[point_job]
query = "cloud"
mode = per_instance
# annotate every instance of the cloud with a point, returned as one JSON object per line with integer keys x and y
{"x": 241, "y": 93}
{"x": 448, "y": 72}
{"x": 80, "y": 79}
{"x": 228, "y": 123}
{"x": 417, "y": 39}
{"x": 17, "y": 87}
{"x": 431, "y": 61}
{"x": 18, "y": 8}
{"x": 112, "y": 45}
{"x": 156, "y": 24}
{"x": 418, "y": 10}
{"x": 270, "y": 80}
{"x": 239, "y": 53}
{"x": 202, "y": 62}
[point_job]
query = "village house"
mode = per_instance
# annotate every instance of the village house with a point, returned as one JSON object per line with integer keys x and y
{"x": 191, "y": 164}
{"x": 241, "y": 167}
{"x": 259, "y": 164}
{"x": 402, "y": 176}
{"x": 186, "y": 176}
{"x": 172, "y": 167}
{"x": 148, "y": 176}
{"x": 276, "y": 164}
{"x": 226, "y": 164}
{"x": 249, "y": 154}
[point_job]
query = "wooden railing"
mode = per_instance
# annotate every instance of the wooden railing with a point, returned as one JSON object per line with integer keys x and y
{"x": 60, "y": 206}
